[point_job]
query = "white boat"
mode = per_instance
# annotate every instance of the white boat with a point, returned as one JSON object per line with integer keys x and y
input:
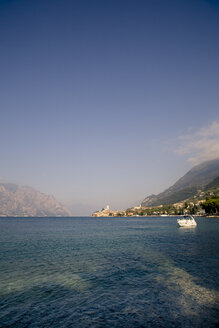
{"x": 187, "y": 221}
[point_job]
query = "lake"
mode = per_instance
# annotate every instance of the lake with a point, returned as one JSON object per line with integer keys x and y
{"x": 108, "y": 272}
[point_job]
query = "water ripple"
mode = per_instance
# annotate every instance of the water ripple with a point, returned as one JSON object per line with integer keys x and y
{"x": 107, "y": 273}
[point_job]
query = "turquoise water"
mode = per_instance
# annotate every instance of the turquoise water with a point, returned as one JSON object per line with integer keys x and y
{"x": 108, "y": 272}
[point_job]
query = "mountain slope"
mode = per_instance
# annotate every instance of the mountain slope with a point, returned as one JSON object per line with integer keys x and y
{"x": 198, "y": 177}
{"x": 25, "y": 201}
{"x": 214, "y": 184}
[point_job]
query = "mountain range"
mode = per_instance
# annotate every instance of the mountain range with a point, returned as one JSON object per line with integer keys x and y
{"x": 22, "y": 201}
{"x": 200, "y": 177}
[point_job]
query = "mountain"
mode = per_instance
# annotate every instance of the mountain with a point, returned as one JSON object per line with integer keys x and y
{"x": 214, "y": 184}
{"x": 22, "y": 201}
{"x": 199, "y": 177}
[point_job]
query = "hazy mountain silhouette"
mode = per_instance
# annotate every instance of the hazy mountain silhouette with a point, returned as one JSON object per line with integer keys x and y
{"x": 21, "y": 201}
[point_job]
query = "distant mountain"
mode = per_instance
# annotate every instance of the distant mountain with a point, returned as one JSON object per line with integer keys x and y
{"x": 202, "y": 176}
{"x": 22, "y": 201}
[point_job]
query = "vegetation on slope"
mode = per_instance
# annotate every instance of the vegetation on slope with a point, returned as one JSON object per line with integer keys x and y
{"x": 211, "y": 206}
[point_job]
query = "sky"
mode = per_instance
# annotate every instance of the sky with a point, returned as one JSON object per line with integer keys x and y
{"x": 106, "y": 102}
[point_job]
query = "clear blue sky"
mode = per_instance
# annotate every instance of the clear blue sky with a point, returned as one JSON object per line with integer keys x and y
{"x": 105, "y": 102}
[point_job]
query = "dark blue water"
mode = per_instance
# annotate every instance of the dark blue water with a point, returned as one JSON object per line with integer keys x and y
{"x": 108, "y": 272}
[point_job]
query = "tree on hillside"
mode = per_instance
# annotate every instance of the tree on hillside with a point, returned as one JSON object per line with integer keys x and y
{"x": 211, "y": 206}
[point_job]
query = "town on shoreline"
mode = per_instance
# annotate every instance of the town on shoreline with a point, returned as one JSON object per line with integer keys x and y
{"x": 197, "y": 207}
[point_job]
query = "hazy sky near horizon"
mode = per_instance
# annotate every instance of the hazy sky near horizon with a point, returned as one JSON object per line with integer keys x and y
{"x": 105, "y": 102}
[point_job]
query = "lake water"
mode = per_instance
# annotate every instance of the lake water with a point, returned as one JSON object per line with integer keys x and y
{"x": 108, "y": 272}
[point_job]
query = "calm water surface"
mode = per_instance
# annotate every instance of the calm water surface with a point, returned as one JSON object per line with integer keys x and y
{"x": 108, "y": 272}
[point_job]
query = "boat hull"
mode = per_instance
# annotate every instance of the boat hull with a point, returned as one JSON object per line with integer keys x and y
{"x": 187, "y": 222}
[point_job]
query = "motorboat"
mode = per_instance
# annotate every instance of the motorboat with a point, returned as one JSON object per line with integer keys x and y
{"x": 187, "y": 221}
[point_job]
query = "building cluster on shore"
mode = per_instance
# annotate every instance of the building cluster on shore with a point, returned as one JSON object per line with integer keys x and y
{"x": 205, "y": 201}
{"x": 179, "y": 208}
